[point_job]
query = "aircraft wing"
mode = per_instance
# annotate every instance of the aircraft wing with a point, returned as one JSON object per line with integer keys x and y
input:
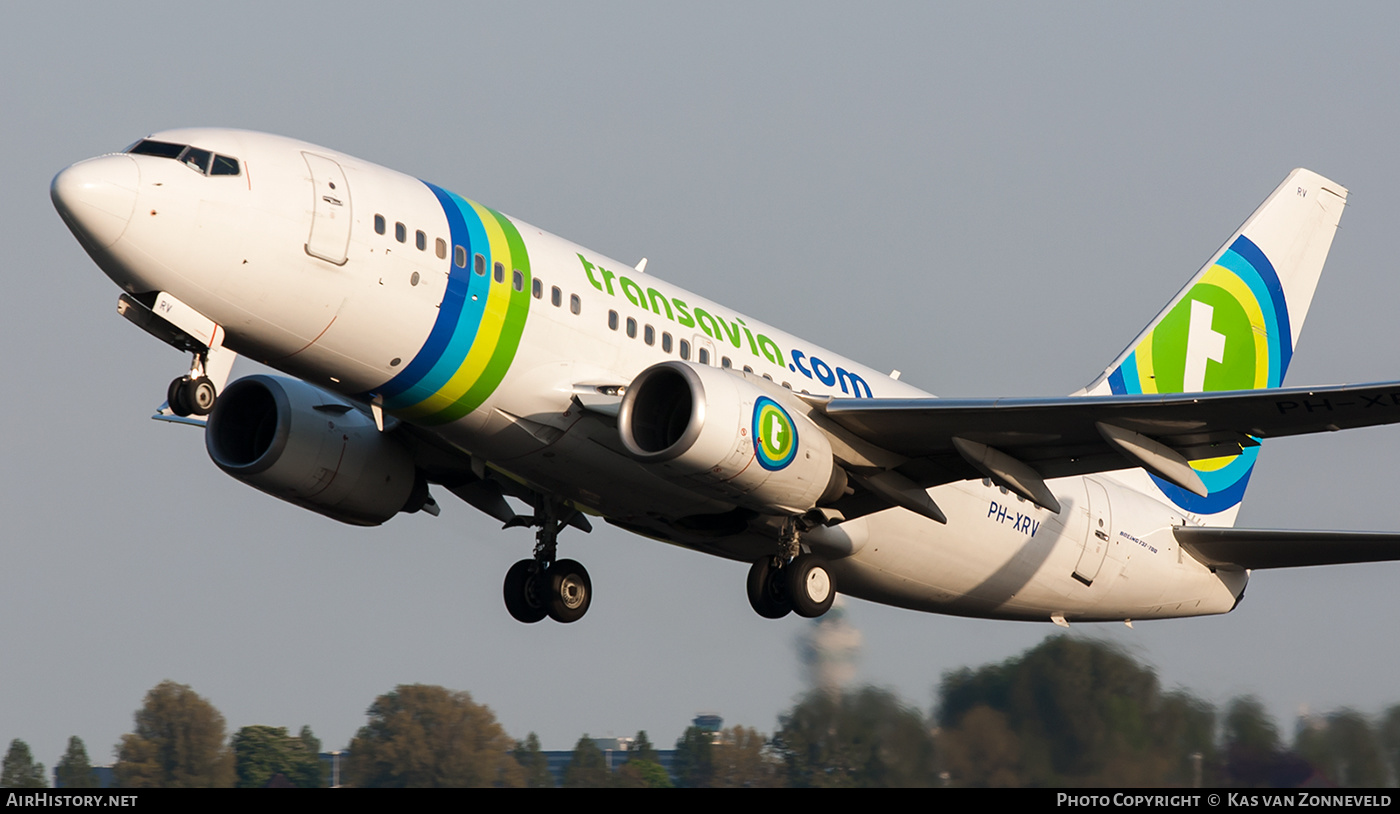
{"x": 1018, "y": 442}
{"x": 1265, "y": 548}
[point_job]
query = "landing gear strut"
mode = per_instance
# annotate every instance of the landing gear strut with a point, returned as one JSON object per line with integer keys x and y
{"x": 790, "y": 581}
{"x": 544, "y": 586}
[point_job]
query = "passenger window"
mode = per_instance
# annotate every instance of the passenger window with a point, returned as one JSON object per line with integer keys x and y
{"x": 518, "y": 280}
{"x": 459, "y": 256}
{"x": 500, "y": 272}
{"x": 704, "y": 356}
{"x": 223, "y": 165}
{"x": 666, "y": 342}
{"x": 768, "y": 377}
{"x": 748, "y": 369}
{"x": 441, "y": 249}
{"x": 724, "y": 362}
{"x": 379, "y": 225}
{"x": 537, "y": 288}
{"x": 632, "y": 327}
{"x": 685, "y": 349}
{"x": 480, "y": 265}
{"x": 649, "y": 335}
{"x": 400, "y": 233}
{"x": 556, "y": 297}
{"x": 612, "y": 320}
{"x": 421, "y": 240}
{"x": 575, "y": 304}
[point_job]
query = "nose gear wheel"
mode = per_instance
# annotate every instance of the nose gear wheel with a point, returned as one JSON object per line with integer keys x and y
{"x": 191, "y": 396}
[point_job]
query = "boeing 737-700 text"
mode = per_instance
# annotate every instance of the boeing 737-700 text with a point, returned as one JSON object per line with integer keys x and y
{"x": 432, "y": 343}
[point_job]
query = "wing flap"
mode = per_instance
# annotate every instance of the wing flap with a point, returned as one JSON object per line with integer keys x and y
{"x": 1266, "y": 548}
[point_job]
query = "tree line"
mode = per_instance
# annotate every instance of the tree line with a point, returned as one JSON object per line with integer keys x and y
{"x": 1067, "y": 712}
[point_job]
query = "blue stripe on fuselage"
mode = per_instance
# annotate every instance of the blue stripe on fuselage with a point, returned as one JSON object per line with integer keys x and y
{"x": 459, "y": 317}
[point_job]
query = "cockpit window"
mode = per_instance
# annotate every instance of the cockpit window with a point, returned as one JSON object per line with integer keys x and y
{"x": 201, "y": 161}
{"x": 163, "y": 149}
{"x": 196, "y": 159}
{"x": 223, "y": 165}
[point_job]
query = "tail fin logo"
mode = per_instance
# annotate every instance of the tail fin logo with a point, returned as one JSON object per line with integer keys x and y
{"x": 1229, "y": 331}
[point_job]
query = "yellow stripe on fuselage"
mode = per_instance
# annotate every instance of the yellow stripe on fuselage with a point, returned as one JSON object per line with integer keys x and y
{"x": 487, "y": 336}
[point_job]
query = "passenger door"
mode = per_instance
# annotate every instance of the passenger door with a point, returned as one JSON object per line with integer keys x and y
{"x": 330, "y": 220}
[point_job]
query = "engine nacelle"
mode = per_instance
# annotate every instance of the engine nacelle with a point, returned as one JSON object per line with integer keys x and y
{"x": 306, "y": 446}
{"x": 723, "y": 435}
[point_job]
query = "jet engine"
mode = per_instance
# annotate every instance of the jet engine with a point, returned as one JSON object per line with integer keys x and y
{"x": 726, "y": 436}
{"x": 306, "y": 446}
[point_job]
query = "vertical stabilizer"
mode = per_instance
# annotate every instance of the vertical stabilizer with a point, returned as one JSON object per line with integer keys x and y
{"x": 1235, "y": 324}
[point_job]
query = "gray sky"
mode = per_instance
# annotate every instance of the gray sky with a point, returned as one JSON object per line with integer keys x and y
{"x": 993, "y": 199}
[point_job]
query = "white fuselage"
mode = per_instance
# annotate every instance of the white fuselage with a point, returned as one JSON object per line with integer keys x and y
{"x": 239, "y": 250}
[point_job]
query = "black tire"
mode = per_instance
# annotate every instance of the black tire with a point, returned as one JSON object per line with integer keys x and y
{"x": 522, "y": 592}
{"x": 810, "y": 586}
{"x": 570, "y": 591}
{"x": 200, "y": 395}
{"x": 767, "y": 590}
{"x": 176, "y": 397}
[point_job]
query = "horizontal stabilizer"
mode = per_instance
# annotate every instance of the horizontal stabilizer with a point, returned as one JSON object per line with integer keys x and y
{"x": 1268, "y": 548}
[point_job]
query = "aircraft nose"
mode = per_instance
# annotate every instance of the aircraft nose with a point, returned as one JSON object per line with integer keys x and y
{"x": 96, "y": 197}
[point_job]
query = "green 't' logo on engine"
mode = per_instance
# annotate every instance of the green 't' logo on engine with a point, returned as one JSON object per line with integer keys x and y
{"x": 774, "y": 435}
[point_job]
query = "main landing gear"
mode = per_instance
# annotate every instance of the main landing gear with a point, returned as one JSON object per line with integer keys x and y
{"x": 544, "y": 586}
{"x": 781, "y": 584}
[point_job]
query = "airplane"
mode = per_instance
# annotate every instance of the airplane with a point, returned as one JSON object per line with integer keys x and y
{"x": 432, "y": 343}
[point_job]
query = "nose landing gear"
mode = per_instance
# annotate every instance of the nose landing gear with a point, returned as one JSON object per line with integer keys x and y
{"x": 191, "y": 395}
{"x": 168, "y": 319}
